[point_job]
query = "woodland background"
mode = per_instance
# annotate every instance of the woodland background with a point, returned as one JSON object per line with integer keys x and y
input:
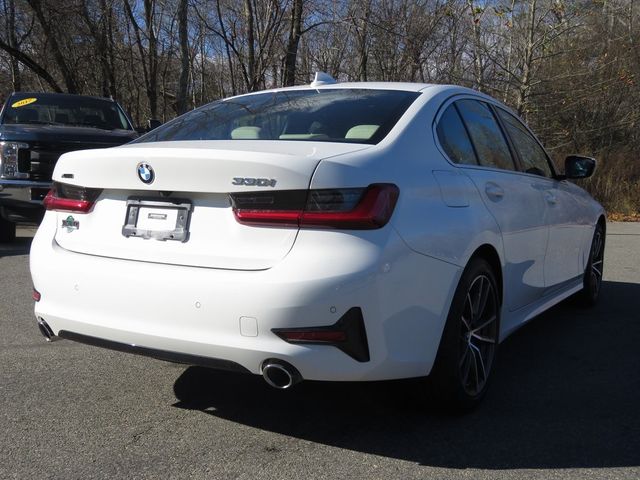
{"x": 570, "y": 67}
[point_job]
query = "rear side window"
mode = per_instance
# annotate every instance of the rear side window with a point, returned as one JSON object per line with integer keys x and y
{"x": 486, "y": 135}
{"x": 454, "y": 139}
{"x": 532, "y": 155}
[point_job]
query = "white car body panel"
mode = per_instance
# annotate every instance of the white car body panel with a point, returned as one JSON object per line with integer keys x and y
{"x": 571, "y": 231}
{"x": 217, "y": 240}
{"x": 220, "y": 294}
{"x": 195, "y": 310}
{"x": 520, "y": 215}
{"x": 199, "y": 166}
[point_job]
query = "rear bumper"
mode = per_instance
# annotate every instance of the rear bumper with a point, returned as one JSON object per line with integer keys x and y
{"x": 229, "y": 315}
{"x": 21, "y": 200}
{"x": 174, "y": 357}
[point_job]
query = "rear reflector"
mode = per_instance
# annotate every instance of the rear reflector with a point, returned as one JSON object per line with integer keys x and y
{"x": 313, "y": 336}
{"x": 347, "y": 334}
{"x": 348, "y": 208}
{"x": 36, "y": 295}
{"x": 71, "y": 198}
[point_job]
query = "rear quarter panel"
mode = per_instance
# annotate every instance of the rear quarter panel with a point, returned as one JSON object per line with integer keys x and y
{"x": 439, "y": 216}
{"x": 439, "y": 212}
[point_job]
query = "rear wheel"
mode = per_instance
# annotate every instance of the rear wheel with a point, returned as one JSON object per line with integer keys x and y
{"x": 593, "y": 272}
{"x": 7, "y": 230}
{"x": 461, "y": 373}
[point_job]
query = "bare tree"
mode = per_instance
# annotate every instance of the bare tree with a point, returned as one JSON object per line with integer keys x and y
{"x": 9, "y": 7}
{"x": 98, "y": 22}
{"x": 295, "y": 33}
{"x": 185, "y": 64}
{"x": 46, "y": 15}
{"x": 148, "y": 51}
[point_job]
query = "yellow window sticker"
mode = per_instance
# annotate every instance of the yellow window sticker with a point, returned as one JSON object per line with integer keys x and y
{"x": 23, "y": 102}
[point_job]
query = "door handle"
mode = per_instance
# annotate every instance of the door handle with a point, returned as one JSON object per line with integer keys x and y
{"x": 494, "y": 191}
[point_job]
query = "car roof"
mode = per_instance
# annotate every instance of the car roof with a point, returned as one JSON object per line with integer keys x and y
{"x": 431, "y": 88}
{"x": 403, "y": 86}
{"x": 406, "y": 86}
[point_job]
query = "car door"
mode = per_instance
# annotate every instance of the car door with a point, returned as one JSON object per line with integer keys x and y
{"x": 514, "y": 200}
{"x": 563, "y": 256}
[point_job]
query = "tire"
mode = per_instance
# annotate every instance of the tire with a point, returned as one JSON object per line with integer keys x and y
{"x": 467, "y": 350}
{"x": 590, "y": 293}
{"x": 7, "y": 230}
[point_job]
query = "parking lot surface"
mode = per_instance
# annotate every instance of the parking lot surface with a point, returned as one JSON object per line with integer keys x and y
{"x": 564, "y": 403}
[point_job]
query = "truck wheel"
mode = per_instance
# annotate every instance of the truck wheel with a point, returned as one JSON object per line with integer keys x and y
{"x": 7, "y": 231}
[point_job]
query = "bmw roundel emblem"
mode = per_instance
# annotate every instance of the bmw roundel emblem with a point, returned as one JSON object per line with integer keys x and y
{"x": 146, "y": 173}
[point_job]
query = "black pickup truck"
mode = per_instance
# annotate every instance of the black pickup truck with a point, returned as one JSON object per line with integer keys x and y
{"x": 35, "y": 129}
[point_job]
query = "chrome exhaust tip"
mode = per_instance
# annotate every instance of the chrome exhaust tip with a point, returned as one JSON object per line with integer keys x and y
{"x": 280, "y": 374}
{"x": 45, "y": 330}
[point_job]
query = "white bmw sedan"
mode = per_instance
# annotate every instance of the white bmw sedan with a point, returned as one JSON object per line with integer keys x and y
{"x": 342, "y": 232}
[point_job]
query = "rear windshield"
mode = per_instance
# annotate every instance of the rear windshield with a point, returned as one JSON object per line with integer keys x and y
{"x": 65, "y": 111}
{"x": 330, "y": 115}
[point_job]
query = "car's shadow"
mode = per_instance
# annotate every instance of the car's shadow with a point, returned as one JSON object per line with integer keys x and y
{"x": 20, "y": 246}
{"x": 566, "y": 394}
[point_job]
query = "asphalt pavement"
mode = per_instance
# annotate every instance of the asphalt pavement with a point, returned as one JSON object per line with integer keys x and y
{"x": 564, "y": 404}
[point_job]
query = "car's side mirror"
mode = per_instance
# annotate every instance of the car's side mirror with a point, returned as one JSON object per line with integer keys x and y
{"x": 576, "y": 166}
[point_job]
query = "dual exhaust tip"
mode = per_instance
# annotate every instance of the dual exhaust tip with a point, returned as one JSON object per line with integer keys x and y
{"x": 280, "y": 374}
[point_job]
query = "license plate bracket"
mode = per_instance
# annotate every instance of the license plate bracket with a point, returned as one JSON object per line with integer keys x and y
{"x": 158, "y": 218}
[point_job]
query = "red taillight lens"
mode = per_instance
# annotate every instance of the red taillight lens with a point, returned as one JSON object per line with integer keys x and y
{"x": 36, "y": 295}
{"x": 51, "y": 202}
{"x": 348, "y": 208}
{"x": 372, "y": 211}
{"x": 71, "y": 198}
{"x": 313, "y": 336}
{"x": 269, "y": 217}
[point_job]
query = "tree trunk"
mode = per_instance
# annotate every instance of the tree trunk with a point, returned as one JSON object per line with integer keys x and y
{"x": 148, "y": 55}
{"x": 183, "y": 26}
{"x": 525, "y": 80}
{"x": 152, "y": 87}
{"x": 12, "y": 40}
{"x": 362, "y": 38}
{"x": 227, "y": 47}
{"x": 52, "y": 39}
{"x": 30, "y": 63}
{"x": 99, "y": 30}
{"x": 478, "y": 74}
{"x": 295, "y": 32}
{"x": 251, "y": 53}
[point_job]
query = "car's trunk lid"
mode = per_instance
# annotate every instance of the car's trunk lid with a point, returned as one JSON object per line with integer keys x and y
{"x": 196, "y": 175}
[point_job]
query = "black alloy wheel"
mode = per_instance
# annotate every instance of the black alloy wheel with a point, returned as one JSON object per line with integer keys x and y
{"x": 467, "y": 350}
{"x": 478, "y": 335}
{"x": 594, "y": 269}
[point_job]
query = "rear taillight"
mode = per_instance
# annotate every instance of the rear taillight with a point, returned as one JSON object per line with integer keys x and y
{"x": 71, "y": 198}
{"x": 347, "y": 208}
